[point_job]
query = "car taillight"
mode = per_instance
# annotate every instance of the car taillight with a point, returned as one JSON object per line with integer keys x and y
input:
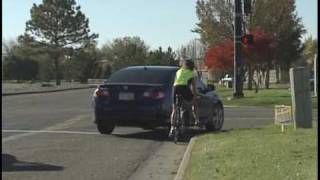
{"x": 102, "y": 93}
{"x": 158, "y": 95}
{"x": 154, "y": 94}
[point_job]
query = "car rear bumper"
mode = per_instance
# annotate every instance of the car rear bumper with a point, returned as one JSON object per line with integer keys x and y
{"x": 134, "y": 116}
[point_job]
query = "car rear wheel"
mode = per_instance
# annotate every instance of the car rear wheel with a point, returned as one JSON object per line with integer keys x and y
{"x": 216, "y": 119}
{"x": 105, "y": 129}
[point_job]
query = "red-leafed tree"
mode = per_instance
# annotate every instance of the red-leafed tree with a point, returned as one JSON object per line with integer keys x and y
{"x": 221, "y": 57}
{"x": 259, "y": 57}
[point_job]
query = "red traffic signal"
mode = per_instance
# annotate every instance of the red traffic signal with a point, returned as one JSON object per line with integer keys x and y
{"x": 247, "y": 39}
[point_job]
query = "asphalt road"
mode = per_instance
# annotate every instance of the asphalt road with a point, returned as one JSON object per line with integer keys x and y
{"x": 52, "y": 136}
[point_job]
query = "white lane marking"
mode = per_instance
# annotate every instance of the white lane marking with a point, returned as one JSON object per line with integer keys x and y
{"x": 43, "y": 131}
{"x": 51, "y": 128}
{"x": 68, "y": 122}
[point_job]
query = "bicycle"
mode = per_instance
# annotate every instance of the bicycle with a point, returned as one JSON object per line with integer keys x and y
{"x": 179, "y": 118}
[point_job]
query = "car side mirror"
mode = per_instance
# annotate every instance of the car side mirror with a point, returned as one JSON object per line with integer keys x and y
{"x": 211, "y": 87}
{"x": 202, "y": 91}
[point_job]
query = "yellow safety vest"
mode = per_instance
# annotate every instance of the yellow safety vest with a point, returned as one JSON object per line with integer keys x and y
{"x": 183, "y": 76}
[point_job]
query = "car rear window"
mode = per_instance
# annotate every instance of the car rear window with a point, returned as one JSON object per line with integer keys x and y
{"x": 150, "y": 76}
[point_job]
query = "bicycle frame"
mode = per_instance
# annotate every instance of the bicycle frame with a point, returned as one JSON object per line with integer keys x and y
{"x": 178, "y": 118}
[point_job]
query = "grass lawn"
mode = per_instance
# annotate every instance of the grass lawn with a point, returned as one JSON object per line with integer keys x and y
{"x": 264, "y": 97}
{"x": 252, "y": 154}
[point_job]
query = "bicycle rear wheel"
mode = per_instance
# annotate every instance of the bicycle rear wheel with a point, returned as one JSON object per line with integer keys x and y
{"x": 178, "y": 120}
{"x": 177, "y": 124}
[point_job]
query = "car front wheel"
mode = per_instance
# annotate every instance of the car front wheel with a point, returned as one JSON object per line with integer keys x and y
{"x": 216, "y": 119}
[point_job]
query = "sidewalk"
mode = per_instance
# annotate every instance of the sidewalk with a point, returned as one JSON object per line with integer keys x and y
{"x": 27, "y": 88}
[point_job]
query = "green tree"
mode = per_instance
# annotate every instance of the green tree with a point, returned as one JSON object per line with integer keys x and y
{"x": 46, "y": 67}
{"x": 19, "y": 68}
{"x": 156, "y": 57}
{"x": 58, "y": 25}
{"x": 279, "y": 17}
{"x": 126, "y": 51}
{"x": 310, "y": 49}
{"x": 21, "y": 55}
{"x": 83, "y": 64}
{"x": 276, "y": 17}
{"x": 216, "y": 25}
{"x": 215, "y": 21}
{"x": 171, "y": 57}
{"x": 162, "y": 58}
{"x": 29, "y": 48}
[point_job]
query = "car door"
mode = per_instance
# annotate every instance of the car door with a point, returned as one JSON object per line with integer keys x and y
{"x": 204, "y": 104}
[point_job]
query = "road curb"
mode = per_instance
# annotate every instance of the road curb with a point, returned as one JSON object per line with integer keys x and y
{"x": 47, "y": 91}
{"x": 185, "y": 160}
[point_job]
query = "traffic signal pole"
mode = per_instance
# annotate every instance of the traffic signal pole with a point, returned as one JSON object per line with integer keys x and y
{"x": 237, "y": 83}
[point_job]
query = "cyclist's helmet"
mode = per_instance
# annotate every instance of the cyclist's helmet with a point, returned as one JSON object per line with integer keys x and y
{"x": 189, "y": 64}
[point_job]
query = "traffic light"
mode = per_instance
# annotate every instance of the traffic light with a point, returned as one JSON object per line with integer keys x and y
{"x": 248, "y": 39}
{"x": 247, "y": 6}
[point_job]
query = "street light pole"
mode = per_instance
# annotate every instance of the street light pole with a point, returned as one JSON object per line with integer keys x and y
{"x": 237, "y": 88}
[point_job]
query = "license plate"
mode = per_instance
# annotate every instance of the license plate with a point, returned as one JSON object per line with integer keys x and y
{"x": 126, "y": 96}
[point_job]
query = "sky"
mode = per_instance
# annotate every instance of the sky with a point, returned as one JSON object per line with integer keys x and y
{"x": 158, "y": 22}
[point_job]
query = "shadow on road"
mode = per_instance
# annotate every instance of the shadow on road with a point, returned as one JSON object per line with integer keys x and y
{"x": 10, "y": 163}
{"x": 156, "y": 135}
{"x": 162, "y": 135}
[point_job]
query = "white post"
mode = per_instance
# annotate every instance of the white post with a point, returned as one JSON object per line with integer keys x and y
{"x": 315, "y": 78}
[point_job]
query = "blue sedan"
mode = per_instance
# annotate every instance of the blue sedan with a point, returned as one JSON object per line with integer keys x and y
{"x": 142, "y": 96}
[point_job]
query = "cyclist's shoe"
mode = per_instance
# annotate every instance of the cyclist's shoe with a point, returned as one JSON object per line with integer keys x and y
{"x": 171, "y": 132}
{"x": 198, "y": 123}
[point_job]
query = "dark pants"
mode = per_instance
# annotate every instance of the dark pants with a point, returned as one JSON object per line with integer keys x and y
{"x": 184, "y": 91}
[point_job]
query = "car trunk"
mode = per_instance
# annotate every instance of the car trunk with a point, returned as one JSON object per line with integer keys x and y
{"x": 132, "y": 94}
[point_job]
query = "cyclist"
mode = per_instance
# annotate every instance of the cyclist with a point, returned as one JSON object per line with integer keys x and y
{"x": 185, "y": 77}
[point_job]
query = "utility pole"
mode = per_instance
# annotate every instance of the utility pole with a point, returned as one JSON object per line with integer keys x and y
{"x": 237, "y": 73}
